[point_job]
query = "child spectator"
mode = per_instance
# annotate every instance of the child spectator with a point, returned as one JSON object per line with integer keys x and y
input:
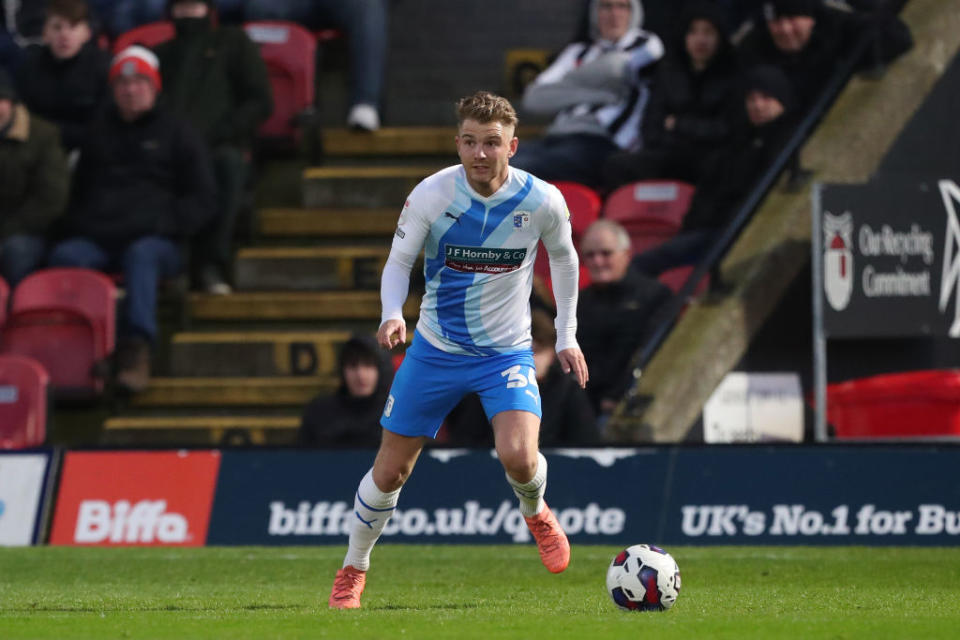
{"x": 766, "y": 121}
{"x": 65, "y": 79}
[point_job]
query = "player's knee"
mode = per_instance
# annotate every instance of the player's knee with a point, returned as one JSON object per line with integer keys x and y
{"x": 390, "y": 477}
{"x": 519, "y": 464}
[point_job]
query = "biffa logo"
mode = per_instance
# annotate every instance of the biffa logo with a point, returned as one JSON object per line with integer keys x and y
{"x": 145, "y": 522}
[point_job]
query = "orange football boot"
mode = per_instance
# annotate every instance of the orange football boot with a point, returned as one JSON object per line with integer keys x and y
{"x": 347, "y": 587}
{"x": 551, "y": 540}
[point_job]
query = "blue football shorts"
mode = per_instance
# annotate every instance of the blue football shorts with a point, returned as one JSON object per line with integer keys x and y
{"x": 430, "y": 383}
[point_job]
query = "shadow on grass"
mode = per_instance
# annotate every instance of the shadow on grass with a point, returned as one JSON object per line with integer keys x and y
{"x": 444, "y": 605}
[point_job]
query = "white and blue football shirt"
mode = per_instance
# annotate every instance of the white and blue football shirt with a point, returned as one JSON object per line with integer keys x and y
{"x": 478, "y": 259}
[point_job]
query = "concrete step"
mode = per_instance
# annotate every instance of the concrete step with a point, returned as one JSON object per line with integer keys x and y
{"x": 233, "y": 392}
{"x": 309, "y": 268}
{"x": 293, "y": 306}
{"x": 178, "y": 430}
{"x": 256, "y": 354}
{"x": 341, "y": 223}
{"x": 375, "y": 187}
{"x": 401, "y": 141}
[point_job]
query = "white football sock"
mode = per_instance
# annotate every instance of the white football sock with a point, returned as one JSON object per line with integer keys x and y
{"x": 531, "y": 493}
{"x": 371, "y": 510}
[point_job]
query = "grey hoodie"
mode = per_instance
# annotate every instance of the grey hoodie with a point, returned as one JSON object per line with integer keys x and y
{"x": 599, "y": 87}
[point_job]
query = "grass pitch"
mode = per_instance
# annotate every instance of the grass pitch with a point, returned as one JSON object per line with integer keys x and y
{"x": 474, "y": 592}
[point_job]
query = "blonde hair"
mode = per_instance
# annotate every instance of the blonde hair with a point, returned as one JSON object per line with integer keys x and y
{"x": 485, "y": 107}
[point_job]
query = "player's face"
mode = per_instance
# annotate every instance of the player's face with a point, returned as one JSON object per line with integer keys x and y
{"x": 485, "y": 150}
{"x": 605, "y": 260}
{"x": 361, "y": 379}
{"x": 613, "y": 18}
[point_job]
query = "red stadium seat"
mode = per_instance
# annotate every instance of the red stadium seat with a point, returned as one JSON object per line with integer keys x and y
{"x": 4, "y": 299}
{"x": 147, "y": 35}
{"x": 65, "y": 319}
{"x": 584, "y": 204}
{"x": 289, "y": 52}
{"x": 23, "y": 402}
{"x": 651, "y": 205}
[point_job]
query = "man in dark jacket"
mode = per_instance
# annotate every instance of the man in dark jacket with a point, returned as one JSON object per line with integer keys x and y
{"x": 800, "y": 37}
{"x": 143, "y": 183}
{"x": 34, "y": 184}
{"x": 65, "y": 79}
{"x": 765, "y": 124}
{"x": 351, "y": 416}
{"x": 615, "y": 313}
{"x": 214, "y": 76}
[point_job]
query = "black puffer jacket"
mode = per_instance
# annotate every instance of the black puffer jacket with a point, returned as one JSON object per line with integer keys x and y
{"x": 701, "y": 102}
{"x": 69, "y": 93}
{"x": 147, "y": 177}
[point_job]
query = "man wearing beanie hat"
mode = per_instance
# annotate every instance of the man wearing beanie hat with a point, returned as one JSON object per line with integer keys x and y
{"x": 34, "y": 183}
{"x": 214, "y": 77}
{"x": 802, "y": 38}
{"x": 764, "y": 124}
{"x": 142, "y": 185}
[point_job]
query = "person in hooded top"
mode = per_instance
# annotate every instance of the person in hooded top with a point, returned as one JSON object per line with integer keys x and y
{"x": 214, "y": 76}
{"x": 350, "y": 417}
{"x": 765, "y": 121}
{"x": 65, "y": 79}
{"x": 692, "y": 104}
{"x": 597, "y": 91}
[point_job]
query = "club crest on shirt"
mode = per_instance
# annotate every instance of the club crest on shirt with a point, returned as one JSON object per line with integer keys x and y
{"x": 521, "y": 219}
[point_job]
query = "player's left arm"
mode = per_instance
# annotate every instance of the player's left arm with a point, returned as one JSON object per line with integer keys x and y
{"x": 565, "y": 274}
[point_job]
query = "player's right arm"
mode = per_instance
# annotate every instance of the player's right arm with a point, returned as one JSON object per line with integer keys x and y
{"x": 412, "y": 230}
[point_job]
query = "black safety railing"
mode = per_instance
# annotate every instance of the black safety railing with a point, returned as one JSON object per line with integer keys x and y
{"x": 744, "y": 213}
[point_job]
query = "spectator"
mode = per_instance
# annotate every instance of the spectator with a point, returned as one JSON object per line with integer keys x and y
{"x": 119, "y": 16}
{"x": 351, "y": 416}
{"x": 34, "y": 183}
{"x": 691, "y": 104}
{"x": 801, "y": 38}
{"x": 768, "y": 105}
{"x": 365, "y": 24}
{"x": 65, "y": 79}
{"x": 615, "y": 313}
{"x": 598, "y": 91}
{"x": 142, "y": 184}
{"x": 214, "y": 76}
{"x": 568, "y": 418}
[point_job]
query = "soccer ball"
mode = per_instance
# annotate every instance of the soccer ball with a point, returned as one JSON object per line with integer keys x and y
{"x": 643, "y": 578}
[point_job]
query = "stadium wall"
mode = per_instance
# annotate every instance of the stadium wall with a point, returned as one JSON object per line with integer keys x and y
{"x": 771, "y": 495}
